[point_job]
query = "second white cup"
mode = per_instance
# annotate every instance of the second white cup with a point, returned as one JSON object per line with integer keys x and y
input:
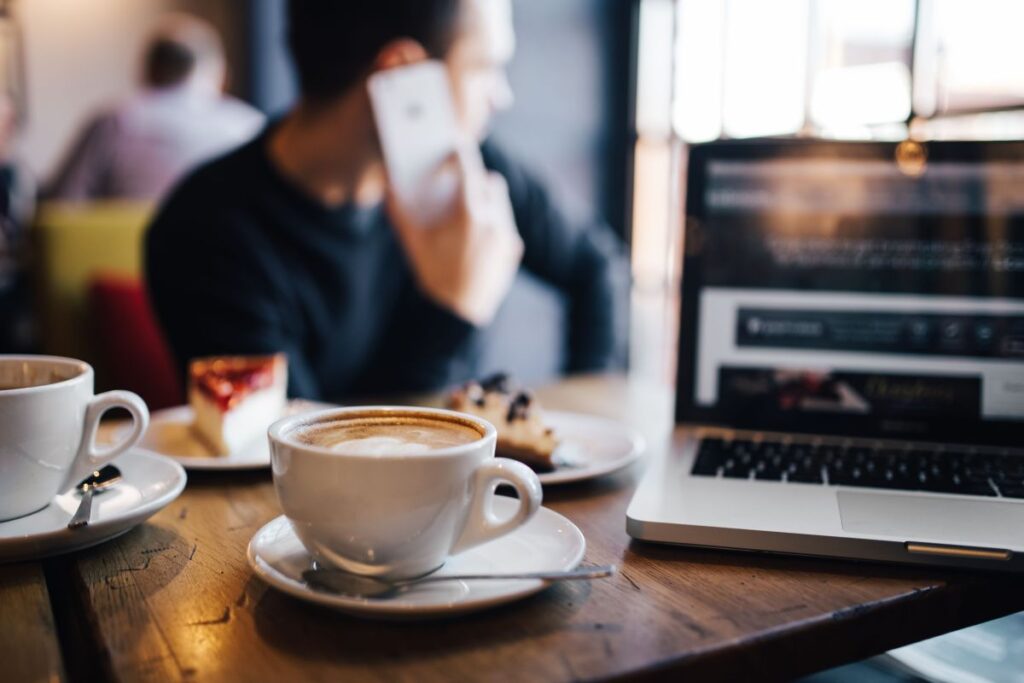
{"x": 48, "y": 421}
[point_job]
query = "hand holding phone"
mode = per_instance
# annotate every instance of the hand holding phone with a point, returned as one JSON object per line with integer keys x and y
{"x": 452, "y": 217}
{"x": 465, "y": 258}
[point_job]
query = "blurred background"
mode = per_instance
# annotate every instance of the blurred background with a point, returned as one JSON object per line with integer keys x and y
{"x": 80, "y": 56}
{"x": 703, "y": 69}
{"x": 609, "y": 94}
{"x": 66, "y": 61}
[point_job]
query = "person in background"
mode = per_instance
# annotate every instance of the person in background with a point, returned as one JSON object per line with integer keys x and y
{"x": 180, "y": 117}
{"x": 294, "y": 244}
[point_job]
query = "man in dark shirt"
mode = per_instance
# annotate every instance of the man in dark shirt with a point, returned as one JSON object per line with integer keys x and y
{"x": 293, "y": 242}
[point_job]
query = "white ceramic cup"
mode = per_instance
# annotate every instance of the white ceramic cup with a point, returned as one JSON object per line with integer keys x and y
{"x": 395, "y": 516}
{"x": 48, "y": 420}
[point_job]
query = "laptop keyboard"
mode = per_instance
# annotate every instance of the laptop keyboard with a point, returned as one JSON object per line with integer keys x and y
{"x": 914, "y": 469}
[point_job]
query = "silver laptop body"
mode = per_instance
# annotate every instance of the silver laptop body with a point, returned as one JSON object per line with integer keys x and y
{"x": 851, "y": 356}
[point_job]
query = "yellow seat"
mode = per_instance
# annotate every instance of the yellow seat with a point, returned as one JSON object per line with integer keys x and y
{"x": 73, "y": 244}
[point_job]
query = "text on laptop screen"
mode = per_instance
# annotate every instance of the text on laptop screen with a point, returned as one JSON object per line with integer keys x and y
{"x": 845, "y": 288}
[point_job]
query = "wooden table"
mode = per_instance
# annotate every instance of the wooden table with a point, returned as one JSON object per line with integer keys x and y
{"x": 175, "y": 600}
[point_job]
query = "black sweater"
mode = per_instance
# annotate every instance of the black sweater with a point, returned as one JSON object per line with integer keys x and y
{"x": 241, "y": 261}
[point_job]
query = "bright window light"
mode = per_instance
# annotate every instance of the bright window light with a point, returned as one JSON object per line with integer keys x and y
{"x": 980, "y": 53}
{"x": 700, "y": 35}
{"x": 654, "y": 69}
{"x": 869, "y": 93}
{"x": 765, "y": 67}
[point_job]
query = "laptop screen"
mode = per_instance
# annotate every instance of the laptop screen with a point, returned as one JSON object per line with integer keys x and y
{"x": 867, "y": 289}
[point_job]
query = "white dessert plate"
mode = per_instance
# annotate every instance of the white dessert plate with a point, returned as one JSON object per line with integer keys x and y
{"x": 170, "y": 433}
{"x": 149, "y": 482}
{"x": 548, "y": 542}
{"x": 591, "y": 447}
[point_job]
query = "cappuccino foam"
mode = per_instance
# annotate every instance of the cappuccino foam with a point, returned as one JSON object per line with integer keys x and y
{"x": 386, "y": 436}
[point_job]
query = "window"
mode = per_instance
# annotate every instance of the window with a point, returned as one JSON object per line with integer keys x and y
{"x": 858, "y": 69}
{"x": 842, "y": 68}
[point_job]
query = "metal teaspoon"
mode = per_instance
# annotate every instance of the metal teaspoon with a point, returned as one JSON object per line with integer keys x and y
{"x": 345, "y": 583}
{"x": 101, "y": 479}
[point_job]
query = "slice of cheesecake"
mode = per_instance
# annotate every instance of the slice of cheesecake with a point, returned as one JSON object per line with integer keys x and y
{"x": 235, "y": 398}
{"x": 516, "y": 414}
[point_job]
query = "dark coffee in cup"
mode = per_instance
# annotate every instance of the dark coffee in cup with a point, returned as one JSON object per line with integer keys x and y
{"x": 22, "y": 374}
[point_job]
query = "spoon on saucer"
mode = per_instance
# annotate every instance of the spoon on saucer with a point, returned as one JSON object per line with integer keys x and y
{"x": 353, "y": 585}
{"x": 99, "y": 480}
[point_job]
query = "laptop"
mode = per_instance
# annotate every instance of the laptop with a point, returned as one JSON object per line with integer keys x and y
{"x": 851, "y": 357}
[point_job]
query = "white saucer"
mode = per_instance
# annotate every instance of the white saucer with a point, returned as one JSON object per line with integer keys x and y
{"x": 592, "y": 446}
{"x": 149, "y": 483}
{"x": 548, "y": 542}
{"x": 170, "y": 433}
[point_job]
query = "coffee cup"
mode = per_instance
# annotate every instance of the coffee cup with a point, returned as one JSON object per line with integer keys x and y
{"x": 48, "y": 421}
{"x": 392, "y": 492}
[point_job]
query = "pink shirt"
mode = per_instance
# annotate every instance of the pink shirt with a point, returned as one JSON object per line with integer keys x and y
{"x": 141, "y": 147}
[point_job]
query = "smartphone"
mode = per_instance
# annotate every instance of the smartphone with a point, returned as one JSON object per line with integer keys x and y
{"x": 418, "y": 131}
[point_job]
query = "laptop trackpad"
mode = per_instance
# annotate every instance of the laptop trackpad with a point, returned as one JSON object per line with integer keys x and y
{"x": 932, "y": 519}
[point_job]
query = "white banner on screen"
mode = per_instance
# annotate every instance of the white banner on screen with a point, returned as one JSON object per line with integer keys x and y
{"x": 1002, "y": 379}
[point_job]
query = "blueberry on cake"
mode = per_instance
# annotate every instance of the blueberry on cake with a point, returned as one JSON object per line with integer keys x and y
{"x": 516, "y": 414}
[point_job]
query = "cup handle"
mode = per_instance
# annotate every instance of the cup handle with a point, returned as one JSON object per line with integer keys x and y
{"x": 90, "y": 457}
{"x": 481, "y": 523}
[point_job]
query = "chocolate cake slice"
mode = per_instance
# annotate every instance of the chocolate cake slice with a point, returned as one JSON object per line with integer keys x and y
{"x": 516, "y": 414}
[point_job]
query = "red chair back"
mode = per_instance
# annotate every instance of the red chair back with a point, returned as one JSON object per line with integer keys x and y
{"x": 130, "y": 344}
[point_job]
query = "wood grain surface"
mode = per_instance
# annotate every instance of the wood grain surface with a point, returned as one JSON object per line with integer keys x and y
{"x": 175, "y": 599}
{"x": 29, "y": 649}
